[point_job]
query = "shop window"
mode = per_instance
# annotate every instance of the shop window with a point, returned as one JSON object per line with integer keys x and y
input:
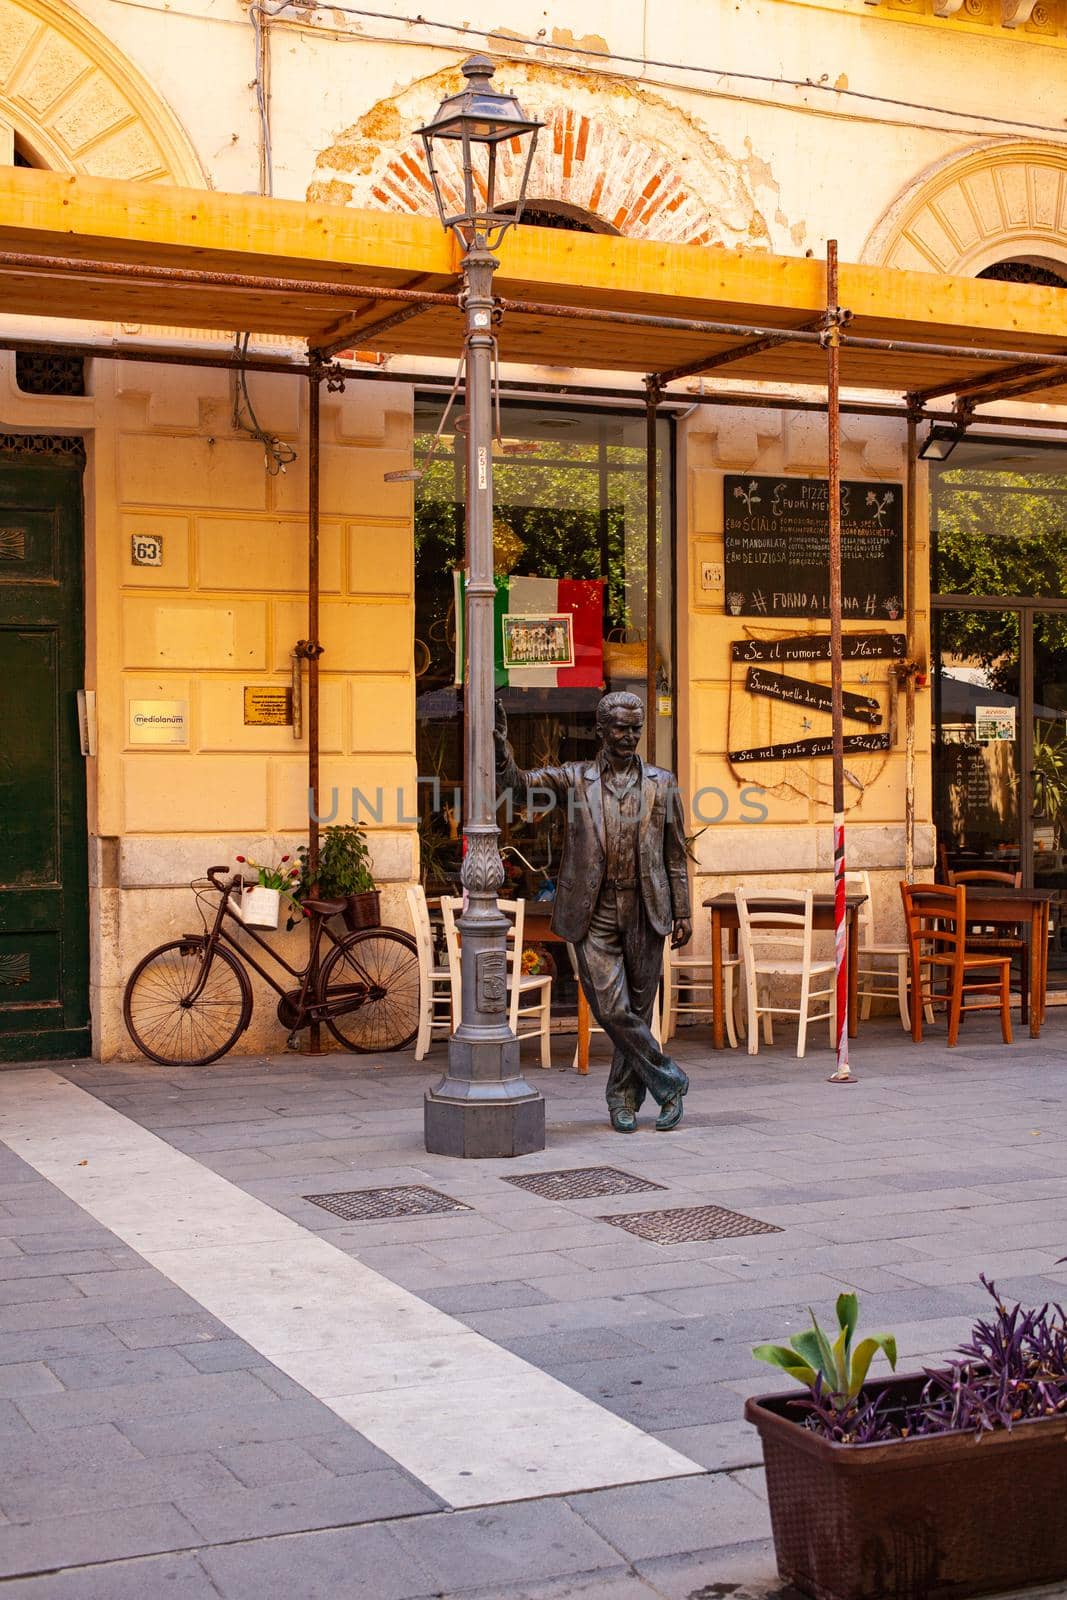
{"x": 570, "y": 543}
{"x": 37, "y": 373}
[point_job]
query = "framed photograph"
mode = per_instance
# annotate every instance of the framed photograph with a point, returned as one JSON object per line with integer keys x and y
{"x": 538, "y": 641}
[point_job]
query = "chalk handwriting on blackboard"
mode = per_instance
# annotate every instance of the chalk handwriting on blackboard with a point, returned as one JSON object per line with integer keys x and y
{"x": 803, "y": 749}
{"x": 816, "y": 647}
{"x": 813, "y": 696}
{"x": 777, "y": 547}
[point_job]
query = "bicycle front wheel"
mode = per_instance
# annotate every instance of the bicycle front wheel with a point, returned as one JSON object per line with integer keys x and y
{"x": 174, "y": 1020}
{"x": 370, "y": 985}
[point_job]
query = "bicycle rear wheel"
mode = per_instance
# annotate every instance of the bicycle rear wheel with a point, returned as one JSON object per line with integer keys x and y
{"x": 174, "y": 1030}
{"x": 372, "y": 981}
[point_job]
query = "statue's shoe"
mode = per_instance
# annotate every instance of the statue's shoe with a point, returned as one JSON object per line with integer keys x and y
{"x": 671, "y": 1112}
{"x": 623, "y": 1120}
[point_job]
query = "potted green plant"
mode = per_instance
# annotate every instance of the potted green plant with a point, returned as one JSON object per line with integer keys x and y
{"x": 944, "y": 1483}
{"x": 345, "y": 873}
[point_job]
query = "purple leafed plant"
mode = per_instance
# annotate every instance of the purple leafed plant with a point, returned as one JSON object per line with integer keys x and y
{"x": 1014, "y": 1369}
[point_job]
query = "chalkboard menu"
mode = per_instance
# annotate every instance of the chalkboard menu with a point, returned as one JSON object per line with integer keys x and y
{"x": 778, "y": 548}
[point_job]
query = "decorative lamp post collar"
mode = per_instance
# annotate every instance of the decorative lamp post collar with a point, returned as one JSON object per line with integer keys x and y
{"x": 487, "y": 129}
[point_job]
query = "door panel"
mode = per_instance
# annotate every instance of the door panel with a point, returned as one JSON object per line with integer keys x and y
{"x": 44, "y": 945}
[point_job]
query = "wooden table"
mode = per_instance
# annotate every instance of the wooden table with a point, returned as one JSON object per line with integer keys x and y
{"x": 537, "y": 929}
{"x": 1001, "y": 906}
{"x": 724, "y": 918}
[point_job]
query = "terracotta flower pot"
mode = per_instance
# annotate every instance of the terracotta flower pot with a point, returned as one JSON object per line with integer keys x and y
{"x": 930, "y": 1518}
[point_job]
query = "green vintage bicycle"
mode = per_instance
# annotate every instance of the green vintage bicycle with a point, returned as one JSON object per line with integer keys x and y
{"x": 188, "y": 1002}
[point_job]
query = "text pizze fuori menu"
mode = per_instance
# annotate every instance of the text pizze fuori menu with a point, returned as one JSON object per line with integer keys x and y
{"x": 777, "y": 555}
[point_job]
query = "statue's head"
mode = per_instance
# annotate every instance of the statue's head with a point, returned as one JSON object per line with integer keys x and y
{"x": 620, "y": 718}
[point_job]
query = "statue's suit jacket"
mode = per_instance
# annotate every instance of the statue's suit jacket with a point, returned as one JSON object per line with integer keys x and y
{"x": 662, "y": 876}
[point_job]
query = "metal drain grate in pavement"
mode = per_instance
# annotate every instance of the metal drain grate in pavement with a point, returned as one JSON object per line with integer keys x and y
{"x": 685, "y": 1223}
{"x": 371, "y": 1205}
{"x": 582, "y": 1183}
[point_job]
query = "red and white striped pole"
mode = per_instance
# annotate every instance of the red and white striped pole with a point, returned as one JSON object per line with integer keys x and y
{"x": 833, "y": 417}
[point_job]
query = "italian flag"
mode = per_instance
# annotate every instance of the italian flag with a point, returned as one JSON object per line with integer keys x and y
{"x": 576, "y": 603}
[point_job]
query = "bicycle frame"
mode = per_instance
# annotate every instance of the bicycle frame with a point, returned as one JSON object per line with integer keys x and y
{"x": 219, "y": 935}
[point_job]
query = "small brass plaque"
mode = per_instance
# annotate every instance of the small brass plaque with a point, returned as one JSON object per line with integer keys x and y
{"x": 268, "y": 707}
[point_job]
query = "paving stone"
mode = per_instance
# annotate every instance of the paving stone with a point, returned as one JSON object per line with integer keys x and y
{"x": 16, "y": 1290}
{"x": 330, "y": 1565}
{"x": 113, "y": 1484}
{"x": 257, "y": 1464}
{"x": 621, "y": 1584}
{"x": 19, "y": 1378}
{"x": 484, "y": 1297}
{"x": 734, "y": 1572}
{"x": 321, "y": 1503}
{"x": 71, "y": 1541}
{"x": 230, "y": 1425}
{"x": 221, "y": 1355}
{"x": 177, "y": 1397}
{"x": 644, "y": 1519}
{"x": 347, "y": 1452}
{"x": 717, "y": 1445}
{"x": 20, "y": 1265}
{"x": 85, "y": 1449}
{"x": 141, "y": 1333}
{"x": 502, "y": 1544}
{"x": 175, "y": 1577}
{"x": 124, "y": 1367}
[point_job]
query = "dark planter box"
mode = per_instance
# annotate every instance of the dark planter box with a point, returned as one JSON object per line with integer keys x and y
{"x": 916, "y": 1519}
{"x": 363, "y": 911}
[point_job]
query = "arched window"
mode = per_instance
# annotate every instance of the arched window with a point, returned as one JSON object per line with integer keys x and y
{"x": 1026, "y": 270}
{"x": 561, "y": 214}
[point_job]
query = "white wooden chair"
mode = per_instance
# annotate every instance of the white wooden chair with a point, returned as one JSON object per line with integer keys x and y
{"x": 690, "y": 976}
{"x": 882, "y": 969}
{"x": 787, "y": 929}
{"x": 529, "y": 994}
{"x": 435, "y": 983}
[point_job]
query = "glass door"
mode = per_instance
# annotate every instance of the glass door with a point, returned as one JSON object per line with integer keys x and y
{"x": 977, "y": 728}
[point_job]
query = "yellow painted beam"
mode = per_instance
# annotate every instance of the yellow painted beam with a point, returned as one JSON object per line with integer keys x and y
{"x": 78, "y": 217}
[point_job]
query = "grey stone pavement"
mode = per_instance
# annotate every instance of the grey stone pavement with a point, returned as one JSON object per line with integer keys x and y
{"x": 145, "y": 1451}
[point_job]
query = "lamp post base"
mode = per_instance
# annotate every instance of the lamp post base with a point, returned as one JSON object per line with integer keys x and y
{"x": 479, "y": 1118}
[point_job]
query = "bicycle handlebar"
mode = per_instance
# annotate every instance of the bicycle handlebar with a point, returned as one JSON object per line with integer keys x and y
{"x": 213, "y": 872}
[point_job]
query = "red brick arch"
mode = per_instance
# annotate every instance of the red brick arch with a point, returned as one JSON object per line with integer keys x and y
{"x": 582, "y": 161}
{"x": 626, "y": 158}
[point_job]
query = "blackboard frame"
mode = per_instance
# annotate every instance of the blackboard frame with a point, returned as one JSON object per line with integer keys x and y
{"x": 777, "y": 547}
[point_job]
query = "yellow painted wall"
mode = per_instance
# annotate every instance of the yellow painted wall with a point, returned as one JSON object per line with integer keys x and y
{"x": 223, "y": 612}
{"x": 792, "y": 844}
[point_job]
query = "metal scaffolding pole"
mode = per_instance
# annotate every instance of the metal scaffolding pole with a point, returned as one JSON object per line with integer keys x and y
{"x": 832, "y": 338}
{"x": 910, "y": 527}
{"x": 652, "y": 394}
{"x": 312, "y": 650}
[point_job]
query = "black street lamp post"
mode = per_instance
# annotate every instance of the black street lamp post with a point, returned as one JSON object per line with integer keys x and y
{"x": 483, "y": 1106}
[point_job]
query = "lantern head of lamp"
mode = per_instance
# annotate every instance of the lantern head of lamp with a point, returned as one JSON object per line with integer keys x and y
{"x": 942, "y": 440}
{"x": 479, "y": 123}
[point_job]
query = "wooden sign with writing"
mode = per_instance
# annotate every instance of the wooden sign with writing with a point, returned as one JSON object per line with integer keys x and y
{"x": 803, "y": 749}
{"x": 777, "y": 547}
{"x": 267, "y": 707}
{"x": 813, "y": 696}
{"x": 816, "y": 647}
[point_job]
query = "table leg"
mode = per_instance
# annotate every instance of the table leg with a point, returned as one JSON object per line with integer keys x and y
{"x": 717, "y": 1030}
{"x": 584, "y": 1030}
{"x": 853, "y": 971}
{"x": 1038, "y": 962}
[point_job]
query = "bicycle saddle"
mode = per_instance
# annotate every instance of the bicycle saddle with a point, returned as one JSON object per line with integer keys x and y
{"x": 325, "y": 908}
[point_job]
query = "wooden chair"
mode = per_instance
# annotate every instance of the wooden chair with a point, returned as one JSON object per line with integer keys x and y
{"x": 935, "y": 916}
{"x": 529, "y": 994}
{"x": 687, "y": 991}
{"x": 435, "y": 983}
{"x": 876, "y": 962}
{"x": 776, "y": 929}
{"x": 999, "y": 941}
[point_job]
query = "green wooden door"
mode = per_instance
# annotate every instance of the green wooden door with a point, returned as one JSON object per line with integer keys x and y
{"x": 44, "y": 894}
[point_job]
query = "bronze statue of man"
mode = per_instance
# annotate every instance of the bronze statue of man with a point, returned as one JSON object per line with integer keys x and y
{"x": 622, "y": 888}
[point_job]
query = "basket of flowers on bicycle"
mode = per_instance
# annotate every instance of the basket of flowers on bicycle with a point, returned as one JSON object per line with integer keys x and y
{"x": 259, "y": 904}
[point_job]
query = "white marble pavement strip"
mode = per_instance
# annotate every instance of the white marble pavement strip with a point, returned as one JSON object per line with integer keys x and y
{"x": 474, "y": 1423}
